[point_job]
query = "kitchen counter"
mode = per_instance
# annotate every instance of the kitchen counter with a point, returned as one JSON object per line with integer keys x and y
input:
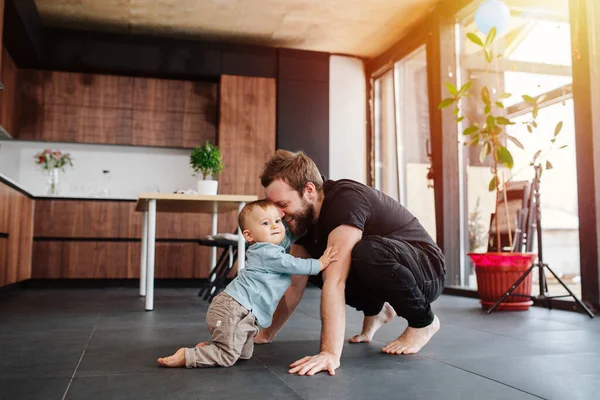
{"x": 17, "y": 186}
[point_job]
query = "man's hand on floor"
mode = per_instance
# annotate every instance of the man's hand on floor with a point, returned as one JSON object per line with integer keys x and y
{"x": 313, "y": 364}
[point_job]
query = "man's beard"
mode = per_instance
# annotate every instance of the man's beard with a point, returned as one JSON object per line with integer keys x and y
{"x": 303, "y": 220}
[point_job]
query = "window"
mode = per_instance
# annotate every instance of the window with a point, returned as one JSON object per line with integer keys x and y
{"x": 402, "y": 136}
{"x": 527, "y": 66}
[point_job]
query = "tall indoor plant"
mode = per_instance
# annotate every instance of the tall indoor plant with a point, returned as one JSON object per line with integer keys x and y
{"x": 496, "y": 271}
{"x": 206, "y": 161}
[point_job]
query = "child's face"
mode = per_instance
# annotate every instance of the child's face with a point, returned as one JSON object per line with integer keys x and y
{"x": 264, "y": 226}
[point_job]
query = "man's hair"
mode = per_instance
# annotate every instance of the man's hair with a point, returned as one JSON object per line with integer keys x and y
{"x": 295, "y": 169}
{"x": 248, "y": 208}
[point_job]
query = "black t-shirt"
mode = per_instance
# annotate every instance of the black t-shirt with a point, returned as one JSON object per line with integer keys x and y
{"x": 348, "y": 202}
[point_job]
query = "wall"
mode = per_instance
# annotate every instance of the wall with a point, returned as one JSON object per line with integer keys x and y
{"x": 347, "y": 119}
{"x": 132, "y": 169}
{"x": 303, "y": 104}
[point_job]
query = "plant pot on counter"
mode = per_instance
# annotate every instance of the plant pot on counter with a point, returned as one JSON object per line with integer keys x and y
{"x": 497, "y": 272}
{"x": 207, "y": 187}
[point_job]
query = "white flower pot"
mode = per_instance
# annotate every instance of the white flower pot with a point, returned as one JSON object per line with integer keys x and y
{"x": 207, "y": 187}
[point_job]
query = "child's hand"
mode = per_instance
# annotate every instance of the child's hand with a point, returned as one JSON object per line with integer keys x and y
{"x": 328, "y": 257}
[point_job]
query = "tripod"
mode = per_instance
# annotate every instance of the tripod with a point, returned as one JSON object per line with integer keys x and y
{"x": 535, "y": 212}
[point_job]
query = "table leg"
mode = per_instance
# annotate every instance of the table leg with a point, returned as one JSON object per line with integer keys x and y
{"x": 213, "y": 251}
{"x": 151, "y": 251}
{"x": 241, "y": 244}
{"x": 144, "y": 258}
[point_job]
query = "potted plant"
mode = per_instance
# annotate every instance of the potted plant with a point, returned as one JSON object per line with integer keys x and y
{"x": 486, "y": 130}
{"x": 206, "y": 161}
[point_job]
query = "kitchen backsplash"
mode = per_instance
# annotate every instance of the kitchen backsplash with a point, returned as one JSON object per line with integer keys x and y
{"x": 131, "y": 169}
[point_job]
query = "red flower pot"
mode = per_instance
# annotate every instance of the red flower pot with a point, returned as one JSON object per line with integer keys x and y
{"x": 497, "y": 272}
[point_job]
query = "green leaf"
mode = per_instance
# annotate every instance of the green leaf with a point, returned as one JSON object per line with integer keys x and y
{"x": 535, "y": 111}
{"x": 548, "y": 165}
{"x": 488, "y": 55}
{"x": 493, "y": 184}
{"x": 490, "y": 36}
{"x": 536, "y": 155}
{"x": 515, "y": 141}
{"x": 490, "y": 121}
{"x": 485, "y": 95}
{"x": 504, "y": 121}
{"x": 451, "y": 88}
{"x": 528, "y": 99}
{"x": 446, "y": 102}
{"x": 474, "y": 140}
{"x": 459, "y": 119}
{"x": 487, "y": 109}
{"x": 475, "y": 39}
{"x": 499, "y": 104}
{"x": 563, "y": 146}
{"x": 504, "y": 156}
{"x": 470, "y": 130}
{"x": 464, "y": 88}
{"x": 504, "y": 95}
{"x": 534, "y": 124}
{"x": 558, "y": 128}
{"x": 486, "y": 150}
{"x": 456, "y": 111}
{"x": 529, "y": 129}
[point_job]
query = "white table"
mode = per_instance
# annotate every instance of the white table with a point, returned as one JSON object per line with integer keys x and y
{"x": 151, "y": 203}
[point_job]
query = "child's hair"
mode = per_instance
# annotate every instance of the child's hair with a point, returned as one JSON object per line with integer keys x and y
{"x": 247, "y": 210}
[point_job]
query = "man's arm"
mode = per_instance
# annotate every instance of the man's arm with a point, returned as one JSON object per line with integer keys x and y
{"x": 333, "y": 309}
{"x": 288, "y": 302}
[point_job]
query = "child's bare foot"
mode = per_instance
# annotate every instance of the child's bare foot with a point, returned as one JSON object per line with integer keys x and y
{"x": 202, "y": 344}
{"x": 176, "y": 360}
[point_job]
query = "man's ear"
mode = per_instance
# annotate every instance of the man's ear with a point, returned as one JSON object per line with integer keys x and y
{"x": 310, "y": 191}
{"x": 248, "y": 236}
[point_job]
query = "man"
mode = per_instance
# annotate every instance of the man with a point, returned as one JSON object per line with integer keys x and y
{"x": 387, "y": 263}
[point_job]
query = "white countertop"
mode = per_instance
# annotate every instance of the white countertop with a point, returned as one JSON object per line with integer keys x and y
{"x": 11, "y": 182}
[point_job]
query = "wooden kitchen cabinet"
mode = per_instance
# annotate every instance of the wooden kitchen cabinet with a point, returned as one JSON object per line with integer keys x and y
{"x": 16, "y": 235}
{"x": 107, "y": 109}
{"x": 246, "y": 134}
{"x": 9, "y": 97}
{"x": 117, "y": 260}
{"x": 94, "y": 239}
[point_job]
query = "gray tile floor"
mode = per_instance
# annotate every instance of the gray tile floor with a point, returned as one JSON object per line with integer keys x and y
{"x": 101, "y": 344}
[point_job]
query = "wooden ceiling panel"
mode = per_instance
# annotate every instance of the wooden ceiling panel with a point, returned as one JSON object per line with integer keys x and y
{"x": 357, "y": 27}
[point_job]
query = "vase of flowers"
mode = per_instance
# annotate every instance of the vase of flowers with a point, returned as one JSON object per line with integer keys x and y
{"x": 206, "y": 161}
{"x": 53, "y": 162}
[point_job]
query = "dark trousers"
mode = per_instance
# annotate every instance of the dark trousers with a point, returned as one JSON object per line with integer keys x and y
{"x": 409, "y": 276}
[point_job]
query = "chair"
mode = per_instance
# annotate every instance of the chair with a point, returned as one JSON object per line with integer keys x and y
{"x": 518, "y": 199}
{"x": 217, "y": 280}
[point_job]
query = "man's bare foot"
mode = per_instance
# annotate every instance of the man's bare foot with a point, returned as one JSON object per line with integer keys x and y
{"x": 412, "y": 339}
{"x": 176, "y": 360}
{"x": 372, "y": 324}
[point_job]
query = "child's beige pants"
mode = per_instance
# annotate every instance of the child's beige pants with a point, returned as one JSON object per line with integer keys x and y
{"x": 232, "y": 327}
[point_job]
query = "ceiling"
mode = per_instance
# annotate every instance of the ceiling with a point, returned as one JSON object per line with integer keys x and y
{"x": 363, "y": 28}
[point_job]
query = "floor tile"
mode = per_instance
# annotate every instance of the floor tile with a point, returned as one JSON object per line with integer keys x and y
{"x": 32, "y": 389}
{"x": 183, "y": 384}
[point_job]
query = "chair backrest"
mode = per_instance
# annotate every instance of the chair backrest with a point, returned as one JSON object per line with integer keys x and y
{"x": 513, "y": 210}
